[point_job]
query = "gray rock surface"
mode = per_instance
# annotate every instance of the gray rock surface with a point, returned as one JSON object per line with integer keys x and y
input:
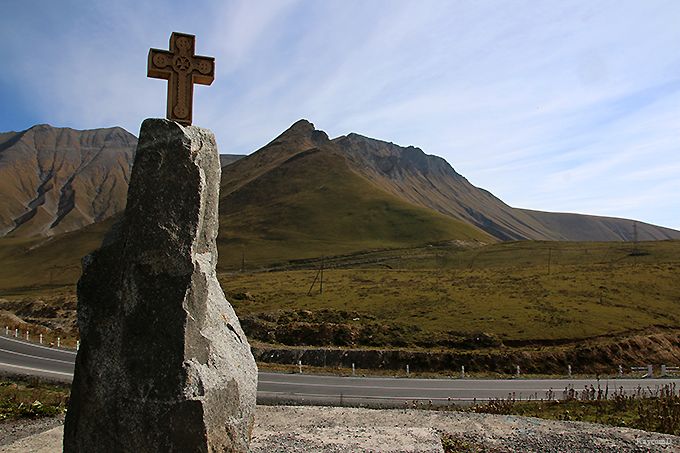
{"x": 163, "y": 364}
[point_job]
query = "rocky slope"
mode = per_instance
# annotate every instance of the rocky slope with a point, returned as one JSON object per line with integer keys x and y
{"x": 431, "y": 182}
{"x": 226, "y": 159}
{"x": 55, "y": 180}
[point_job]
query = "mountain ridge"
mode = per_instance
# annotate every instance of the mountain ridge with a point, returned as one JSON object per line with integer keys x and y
{"x": 54, "y": 180}
{"x": 299, "y": 194}
{"x": 430, "y": 181}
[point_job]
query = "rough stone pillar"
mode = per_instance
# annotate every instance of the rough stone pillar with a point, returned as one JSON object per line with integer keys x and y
{"x": 163, "y": 364}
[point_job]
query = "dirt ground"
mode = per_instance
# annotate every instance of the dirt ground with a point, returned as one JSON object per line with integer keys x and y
{"x": 334, "y": 429}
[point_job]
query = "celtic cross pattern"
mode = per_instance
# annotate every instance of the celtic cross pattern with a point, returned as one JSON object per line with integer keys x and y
{"x": 181, "y": 68}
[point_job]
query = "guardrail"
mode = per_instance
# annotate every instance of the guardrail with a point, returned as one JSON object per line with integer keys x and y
{"x": 669, "y": 370}
{"x": 649, "y": 369}
{"x": 39, "y": 338}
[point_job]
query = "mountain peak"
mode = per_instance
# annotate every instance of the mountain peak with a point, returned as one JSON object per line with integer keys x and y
{"x": 302, "y": 125}
{"x": 41, "y": 126}
{"x": 304, "y": 133}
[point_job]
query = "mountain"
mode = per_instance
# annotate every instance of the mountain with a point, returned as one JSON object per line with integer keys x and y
{"x": 226, "y": 159}
{"x": 295, "y": 198}
{"x": 298, "y": 196}
{"x": 579, "y": 227}
{"x": 302, "y": 187}
{"x": 429, "y": 181}
{"x": 55, "y": 180}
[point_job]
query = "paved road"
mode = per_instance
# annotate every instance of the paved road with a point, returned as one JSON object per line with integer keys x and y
{"x": 20, "y": 357}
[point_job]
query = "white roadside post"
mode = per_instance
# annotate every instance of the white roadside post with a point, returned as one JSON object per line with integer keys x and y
{"x": 670, "y": 370}
{"x": 408, "y": 370}
{"x": 620, "y": 370}
{"x": 77, "y": 344}
{"x": 517, "y": 370}
{"x": 569, "y": 370}
{"x": 40, "y": 338}
{"x": 16, "y": 333}
{"x": 462, "y": 371}
{"x": 58, "y": 342}
{"x": 300, "y": 366}
{"x": 27, "y": 335}
{"x": 353, "y": 370}
{"x": 7, "y": 331}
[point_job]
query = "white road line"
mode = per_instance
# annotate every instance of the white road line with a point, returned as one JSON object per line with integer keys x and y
{"x": 38, "y": 346}
{"x": 36, "y": 369}
{"x": 405, "y": 398}
{"x": 449, "y": 389}
{"x": 36, "y": 356}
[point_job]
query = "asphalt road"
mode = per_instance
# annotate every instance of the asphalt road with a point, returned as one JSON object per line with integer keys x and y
{"x": 23, "y": 358}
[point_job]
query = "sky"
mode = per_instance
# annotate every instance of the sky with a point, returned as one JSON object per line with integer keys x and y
{"x": 569, "y": 106}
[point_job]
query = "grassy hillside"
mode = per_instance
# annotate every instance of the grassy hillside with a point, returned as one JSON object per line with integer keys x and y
{"x": 292, "y": 211}
{"x": 445, "y": 295}
{"x": 313, "y": 205}
{"x": 433, "y": 294}
{"x": 30, "y": 264}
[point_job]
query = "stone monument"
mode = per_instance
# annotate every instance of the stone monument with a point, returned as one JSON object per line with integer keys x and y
{"x": 163, "y": 364}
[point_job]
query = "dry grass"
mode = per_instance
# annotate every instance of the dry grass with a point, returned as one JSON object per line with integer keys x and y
{"x": 432, "y": 295}
{"x": 504, "y": 290}
{"x": 32, "y": 399}
{"x": 649, "y": 409}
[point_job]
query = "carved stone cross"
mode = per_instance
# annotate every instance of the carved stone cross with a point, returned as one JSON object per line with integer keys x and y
{"x": 181, "y": 68}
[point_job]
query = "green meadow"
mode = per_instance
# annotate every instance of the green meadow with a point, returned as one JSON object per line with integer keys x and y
{"x": 520, "y": 291}
{"x": 514, "y": 291}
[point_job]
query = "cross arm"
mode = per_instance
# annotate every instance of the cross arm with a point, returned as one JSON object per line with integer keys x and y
{"x": 205, "y": 70}
{"x": 160, "y": 64}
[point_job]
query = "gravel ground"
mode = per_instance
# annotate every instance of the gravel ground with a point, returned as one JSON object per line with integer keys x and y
{"x": 335, "y": 429}
{"x": 281, "y": 429}
{"x": 11, "y": 431}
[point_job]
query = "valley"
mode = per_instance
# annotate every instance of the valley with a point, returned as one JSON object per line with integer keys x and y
{"x": 418, "y": 264}
{"x": 593, "y": 305}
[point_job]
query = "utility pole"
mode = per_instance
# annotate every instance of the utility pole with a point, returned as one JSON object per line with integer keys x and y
{"x": 321, "y": 279}
{"x": 319, "y": 274}
{"x": 636, "y": 252}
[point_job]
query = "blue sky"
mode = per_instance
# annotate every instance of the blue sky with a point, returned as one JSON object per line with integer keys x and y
{"x": 569, "y": 106}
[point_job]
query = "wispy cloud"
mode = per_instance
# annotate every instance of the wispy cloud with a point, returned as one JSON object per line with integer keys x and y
{"x": 565, "y": 106}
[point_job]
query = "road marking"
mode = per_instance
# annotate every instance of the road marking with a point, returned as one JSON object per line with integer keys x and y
{"x": 36, "y": 369}
{"x": 450, "y": 389}
{"x": 37, "y": 357}
{"x": 37, "y": 345}
{"x": 343, "y": 396}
